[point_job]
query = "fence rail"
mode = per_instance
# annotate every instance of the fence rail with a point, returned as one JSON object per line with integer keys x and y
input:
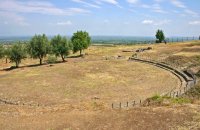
{"x": 146, "y": 41}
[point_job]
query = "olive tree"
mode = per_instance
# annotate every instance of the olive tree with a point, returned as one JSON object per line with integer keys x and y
{"x": 4, "y": 52}
{"x": 1, "y": 51}
{"x": 60, "y": 46}
{"x": 80, "y": 41}
{"x": 38, "y": 47}
{"x": 17, "y": 53}
{"x": 160, "y": 36}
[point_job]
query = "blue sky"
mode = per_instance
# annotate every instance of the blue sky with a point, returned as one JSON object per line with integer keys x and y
{"x": 100, "y": 17}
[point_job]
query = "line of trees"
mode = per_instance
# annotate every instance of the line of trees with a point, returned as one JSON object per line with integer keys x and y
{"x": 40, "y": 46}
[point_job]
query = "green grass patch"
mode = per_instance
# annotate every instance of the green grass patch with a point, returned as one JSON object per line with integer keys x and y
{"x": 180, "y": 100}
{"x": 157, "y": 98}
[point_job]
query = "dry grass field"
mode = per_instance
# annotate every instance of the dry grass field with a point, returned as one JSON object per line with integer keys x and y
{"x": 78, "y": 94}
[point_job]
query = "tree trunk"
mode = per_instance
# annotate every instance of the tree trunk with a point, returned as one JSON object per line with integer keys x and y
{"x": 17, "y": 64}
{"x": 80, "y": 52}
{"x": 40, "y": 61}
{"x": 63, "y": 58}
{"x": 6, "y": 60}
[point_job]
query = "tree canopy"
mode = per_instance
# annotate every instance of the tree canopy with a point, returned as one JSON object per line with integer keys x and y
{"x": 80, "y": 40}
{"x": 60, "y": 46}
{"x": 160, "y": 36}
{"x": 1, "y": 51}
{"x": 38, "y": 47}
{"x": 17, "y": 53}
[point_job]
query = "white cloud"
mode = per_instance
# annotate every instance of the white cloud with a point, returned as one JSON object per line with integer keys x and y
{"x": 86, "y": 3}
{"x": 178, "y": 4}
{"x": 156, "y": 23}
{"x": 186, "y": 10}
{"x": 159, "y": 11}
{"x": 147, "y": 22}
{"x": 13, "y": 18}
{"x": 132, "y": 1}
{"x": 38, "y": 7}
{"x": 190, "y": 12}
{"x": 157, "y": 8}
{"x": 113, "y": 2}
{"x": 194, "y": 22}
{"x": 64, "y": 23}
{"x": 158, "y": 1}
{"x": 162, "y": 22}
{"x": 145, "y": 6}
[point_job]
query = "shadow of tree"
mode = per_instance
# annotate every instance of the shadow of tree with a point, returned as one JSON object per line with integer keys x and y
{"x": 30, "y": 66}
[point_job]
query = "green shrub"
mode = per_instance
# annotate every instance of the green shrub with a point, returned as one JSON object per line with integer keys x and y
{"x": 180, "y": 100}
{"x": 51, "y": 59}
{"x": 155, "y": 97}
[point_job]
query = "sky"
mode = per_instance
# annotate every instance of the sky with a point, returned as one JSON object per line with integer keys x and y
{"x": 100, "y": 17}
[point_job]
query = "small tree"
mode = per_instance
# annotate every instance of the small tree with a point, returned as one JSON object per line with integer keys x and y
{"x": 160, "y": 36}
{"x": 38, "y": 47}
{"x": 7, "y": 53}
{"x": 1, "y": 51}
{"x": 80, "y": 41}
{"x": 60, "y": 46}
{"x": 17, "y": 53}
{"x": 4, "y": 52}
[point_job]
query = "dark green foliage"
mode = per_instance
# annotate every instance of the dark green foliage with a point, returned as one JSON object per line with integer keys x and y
{"x": 80, "y": 40}
{"x": 51, "y": 59}
{"x": 6, "y": 53}
{"x": 60, "y": 46}
{"x": 1, "y": 51}
{"x": 160, "y": 36}
{"x": 17, "y": 53}
{"x": 38, "y": 47}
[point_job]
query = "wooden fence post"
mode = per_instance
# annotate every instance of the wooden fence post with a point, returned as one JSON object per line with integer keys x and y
{"x": 120, "y": 105}
{"x": 127, "y": 104}
{"x": 112, "y": 105}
